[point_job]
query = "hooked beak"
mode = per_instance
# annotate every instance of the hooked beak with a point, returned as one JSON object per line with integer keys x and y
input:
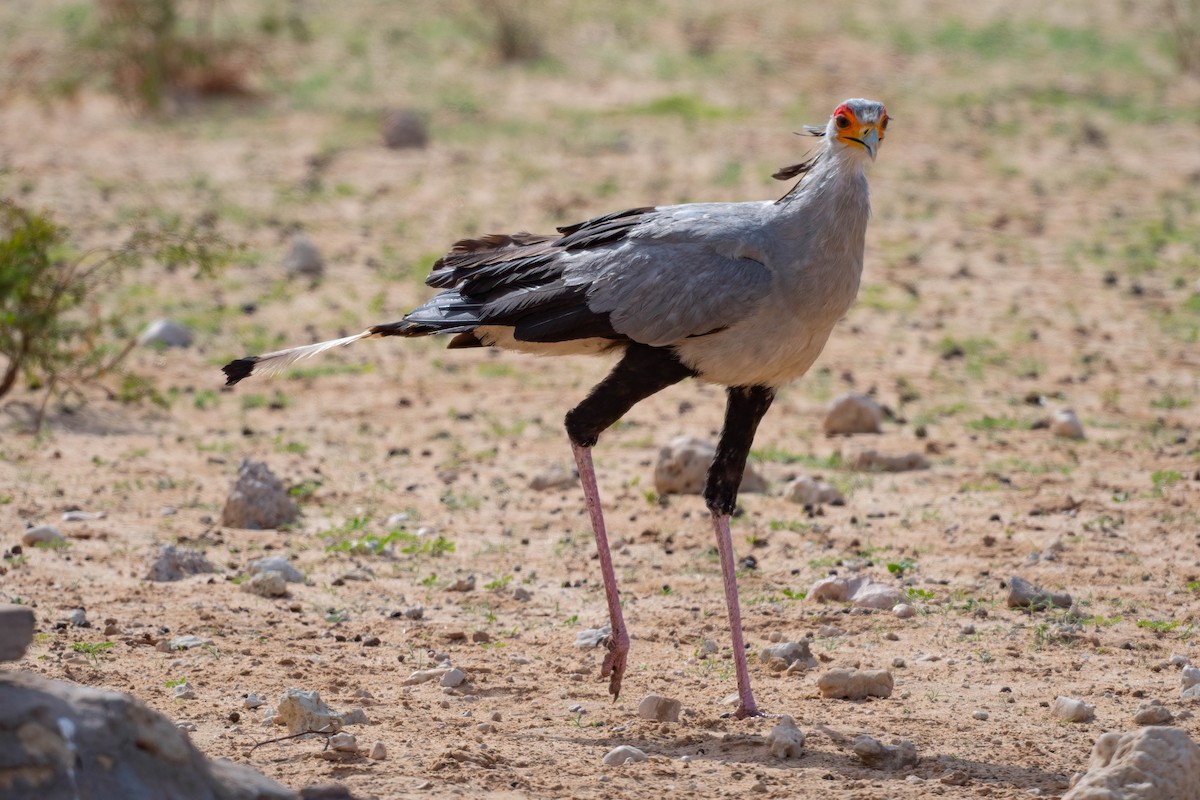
{"x": 869, "y": 139}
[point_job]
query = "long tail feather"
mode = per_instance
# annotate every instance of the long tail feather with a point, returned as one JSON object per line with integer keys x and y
{"x": 271, "y": 363}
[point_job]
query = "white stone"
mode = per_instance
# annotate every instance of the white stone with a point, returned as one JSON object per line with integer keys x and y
{"x": 786, "y": 740}
{"x": 904, "y": 611}
{"x": 303, "y": 258}
{"x": 1152, "y": 763}
{"x": 1066, "y": 425}
{"x": 1152, "y": 713}
{"x": 809, "y": 491}
{"x": 790, "y": 652}
{"x": 424, "y": 676}
{"x": 1072, "y": 709}
{"x": 343, "y": 743}
{"x": 378, "y": 751}
{"x": 659, "y": 709}
{"x": 855, "y": 684}
{"x": 278, "y": 564}
{"x": 266, "y": 584}
{"x": 853, "y": 413}
{"x": 622, "y": 755}
{"x": 165, "y": 333}
{"x": 682, "y": 468}
{"x": 303, "y": 711}
{"x": 453, "y": 678}
{"x": 41, "y": 534}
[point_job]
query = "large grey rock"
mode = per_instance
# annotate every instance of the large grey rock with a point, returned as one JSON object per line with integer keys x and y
{"x": 166, "y": 333}
{"x": 62, "y": 741}
{"x": 175, "y": 563}
{"x": 853, "y": 413}
{"x": 682, "y": 468}
{"x": 303, "y": 259}
{"x": 1153, "y": 763}
{"x": 258, "y": 499}
{"x": 16, "y": 631}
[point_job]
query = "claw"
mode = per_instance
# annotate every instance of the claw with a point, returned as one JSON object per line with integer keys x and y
{"x": 614, "y": 664}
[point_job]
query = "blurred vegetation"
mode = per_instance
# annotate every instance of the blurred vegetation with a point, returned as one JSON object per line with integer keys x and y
{"x": 52, "y": 326}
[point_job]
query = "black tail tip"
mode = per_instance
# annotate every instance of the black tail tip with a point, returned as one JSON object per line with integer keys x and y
{"x": 236, "y": 370}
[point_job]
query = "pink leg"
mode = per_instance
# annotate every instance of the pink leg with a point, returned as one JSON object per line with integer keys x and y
{"x": 618, "y": 640}
{"x": 746, "y": 704}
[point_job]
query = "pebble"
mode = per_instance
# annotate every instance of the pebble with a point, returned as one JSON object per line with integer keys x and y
{"x": 343, "y": 743}
{"x": 187, "y": 642}
{"x": 485, "y": 727}
{"x": 622, "y": 755}
{"x": 775, "y": 636}
{"x": 809, "y": 491}
{"x": 78, "y": 618}
{"x": 659, "y": 709}
{"x": 184, "y": 691}
{"x": 556, "y": 477}
{"x": 303, "y": 259}
{"x": 424, "y": 676}
{"x": 75, "y": 515}
{"x": 860, "y": 590}
{"x": 185, "y": 725}
{"x": 980, "y": 715}
{"x": 874, "y": 461}
{"x": 521, "y": 594}
{"x": 1072, "y": 710}
{"x": 829, "y": 632}
{"x": 378, "y": 751}
{"x": 1065, "y": 425}
{"x": 16, "y": 630}
{"x": 855, "y": 684}
{"x": 880, "y": 596}
{"x": 1177, "y": 660}
{"x": 1190, "y": 677}
{"x": 708, "y": 648}
{"x": 165, "y": 333}
{"x": 303, "y": 710}
{"x": 414, "y": 612}
{"x": 786, "y": 740}
{"x": 404, "y": 128}
{"x": 789, "y": 652}
{"x": 258, "y": 500}
{"x": 41, "y": 534}
{"x": 466, "y": 584}
{"x": 278, "y": 564}
{"x": 453, "y": 677}
{"x": 875, "y": 754}
{"x": 966, "y": 629}
{"x": 355, "y": 716}
{"x": 254, "y": 701}
{"x": 1023, "y": 594}
{"x": 853, "y": 413}
{"x": 266, "y": 584}
{"x": 590, "y": 638}
{"x": 682, "y": 468}
{"x": 1152, "y": 713}
{"x": 174, "y": 563}
{"x": 904, "y": 611}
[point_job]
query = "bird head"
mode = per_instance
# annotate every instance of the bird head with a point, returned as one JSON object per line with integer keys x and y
{"x": 858, "y": 125}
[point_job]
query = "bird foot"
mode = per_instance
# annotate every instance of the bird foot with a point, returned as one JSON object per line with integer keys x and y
{"x": 746, "y": 712}
{"x": 614, "y": 663}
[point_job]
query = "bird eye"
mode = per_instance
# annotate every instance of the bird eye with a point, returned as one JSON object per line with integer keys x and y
{"x": 842, "y": 121}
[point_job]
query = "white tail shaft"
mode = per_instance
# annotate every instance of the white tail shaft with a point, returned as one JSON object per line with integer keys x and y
{"x": 271, "y": 363}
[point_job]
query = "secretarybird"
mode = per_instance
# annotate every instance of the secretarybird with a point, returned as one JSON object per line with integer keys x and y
{"x": 739, "y": 294}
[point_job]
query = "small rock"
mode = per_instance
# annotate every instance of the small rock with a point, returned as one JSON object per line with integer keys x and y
{"x": 554, "y": 478}
{"x": 254, "y": 701}
{"x": 303, "y": 259}
{"x": 622, "y": 755}
{"x": 453, "y": 678}
{"x": 378, "y": 751}
{"x": 904, "y": 611}
{"x": 786, "y": 740}
{"x": 812, "y": 492}
{"x": 860, "y": 590}
{"x": 853, "y": 413}
{"x": 16, "y": 631}
{"x": 955, "y": 777}
{"x": 343, "y": 743}
{"x": 404, "y": 128}
{"x": 278, "y": 564}
{"x": 1190, "y": 677}
{"x": 187, "y": 642}
{"x": 424, "y": 676}
{"x": 78, "y": 618}
{"x": 165, "y": 333}
{"x": 790, "y": 652}
{"x": 266, "y": 584}
{"x": 76, "y": 515}
{"x": 682, "y": 468}
{"x": 355, "y": 716}
{"x": 875, "y": 754}
{"x": 1152, "y": 713}
{"x": 414, "y": 612}
{"x": 1151, "y": 763}
{"x": 1023, "y": 594}
{"x": 41, "y": 535}
{"x": 980, "y": 715}
{"x": 880, "y": 596}
{"x": 1066, "y": 425}
{"x": 874, "y": 461}
{"x": 708, "y": 648}
{"x": 175, "y": 563}
{"x": 659, "y": 709}
{"x": 302, "y": 711}
{"x": 590, "y": 638}
{"x": 258, "y": 500}
{"x": 775, "y": 637}
{"x": 1072, "y": 710}
{"x": 485, "y": 727}
{"x": 184, "y": 691}
{"x": 829, "y": 632}
{"x": 1178, "y": 660}
{"x": 520, "y": 593}
{"x": 855, "y": 684}
{"x": 466, "y": 584}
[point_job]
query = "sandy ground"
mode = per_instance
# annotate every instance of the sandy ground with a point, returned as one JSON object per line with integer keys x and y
{"x": 985, "y": 308}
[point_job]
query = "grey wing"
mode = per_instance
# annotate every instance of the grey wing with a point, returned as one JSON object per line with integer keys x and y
{"x": 660, "y": 293}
